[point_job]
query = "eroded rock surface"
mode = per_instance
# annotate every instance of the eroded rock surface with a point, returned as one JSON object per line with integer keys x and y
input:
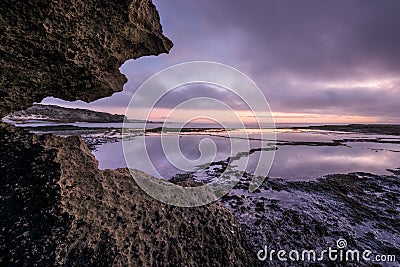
{"x": 60, "y": 209}
{"x": 71, "y": 49}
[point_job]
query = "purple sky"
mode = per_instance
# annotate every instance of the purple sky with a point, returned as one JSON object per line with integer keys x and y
{"x": 315, "y": 61}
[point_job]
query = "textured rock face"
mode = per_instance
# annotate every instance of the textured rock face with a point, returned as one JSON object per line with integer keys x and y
{"x": 31, "y": 219}
{"x": 71, "y": 49}
{"x": 59, "y": 209}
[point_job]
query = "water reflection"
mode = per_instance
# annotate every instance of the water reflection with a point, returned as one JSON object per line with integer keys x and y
{"x": 292, "y": 161}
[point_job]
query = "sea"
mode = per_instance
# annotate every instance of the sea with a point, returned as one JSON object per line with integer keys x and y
{"x": 295, "y": 154}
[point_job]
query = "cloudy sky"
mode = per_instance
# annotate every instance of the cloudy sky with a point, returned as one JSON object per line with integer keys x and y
{"x": 315, "y": 61}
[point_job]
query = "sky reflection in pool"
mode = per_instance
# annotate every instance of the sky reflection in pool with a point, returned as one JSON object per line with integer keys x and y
{"x": 292, "y": 161}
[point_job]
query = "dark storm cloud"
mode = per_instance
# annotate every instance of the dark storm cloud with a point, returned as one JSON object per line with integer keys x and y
{"x": 292, "y": 49}
{"x": 311, "y": 38}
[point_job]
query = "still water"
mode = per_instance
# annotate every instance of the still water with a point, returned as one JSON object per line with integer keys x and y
{"x": 299, "y": 155}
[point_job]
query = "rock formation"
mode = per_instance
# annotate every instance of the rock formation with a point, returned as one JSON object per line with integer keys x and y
{"x": 59, "y": 209}
{"x": 56, "y": 207}
{"x": 61, "y": 114}
{"x": 72, "y": 49}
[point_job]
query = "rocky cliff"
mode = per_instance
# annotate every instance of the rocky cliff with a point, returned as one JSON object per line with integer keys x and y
{"x": 56, "y": 207}
{"x": 61, "y": 114}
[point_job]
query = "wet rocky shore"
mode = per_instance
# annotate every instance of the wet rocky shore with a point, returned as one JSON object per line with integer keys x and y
{"x": 361, "y": 208}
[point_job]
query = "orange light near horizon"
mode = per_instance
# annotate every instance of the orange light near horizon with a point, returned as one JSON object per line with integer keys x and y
{"x": 284, "y": 117}
{"x": 248, "y": 117}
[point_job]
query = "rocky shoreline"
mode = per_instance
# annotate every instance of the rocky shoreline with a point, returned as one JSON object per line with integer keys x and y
{"x": 361, "y": 208}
